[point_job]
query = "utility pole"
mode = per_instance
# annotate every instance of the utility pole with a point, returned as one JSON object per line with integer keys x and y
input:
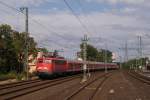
{"x": 24, "y": 10}
{"x": 126, "y": 51}
{"x": 84, "y": 41}
{"x": 136, "y": 64}
{"x": 106, "y": 58}
{"x": 120, "y": 62}
{"x": 120, "y": 58}
{"x": 139, "y": 50}
{"x": 140, "y": 40}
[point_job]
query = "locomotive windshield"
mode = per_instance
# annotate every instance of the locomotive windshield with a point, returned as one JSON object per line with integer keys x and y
{"x": 60, "y": 62}
{"x": 47, "y": 61}
{"x": 40, "y": 61}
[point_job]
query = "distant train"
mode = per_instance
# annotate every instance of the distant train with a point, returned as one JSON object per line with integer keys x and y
{"x": 47, "y": 66}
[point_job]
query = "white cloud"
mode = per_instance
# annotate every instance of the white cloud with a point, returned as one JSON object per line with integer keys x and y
{"x": 19, "y": 3}
{"x": 126, "y": 1}
{"x": 129, "y": 10}
{"x": 119, "y": 1}
{"x": 114, "y": 27}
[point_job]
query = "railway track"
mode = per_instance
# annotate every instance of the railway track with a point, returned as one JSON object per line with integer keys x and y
{"x": 139, "y": 77}
{"x": 103, "y": 79}
{"x": 20, "y": 89}
{"x": 15, "y": 84}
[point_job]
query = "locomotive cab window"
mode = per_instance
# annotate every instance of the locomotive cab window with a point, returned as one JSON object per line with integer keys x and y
{"x": 47, "y": 61}
{"x": 40, "y": 61}
{"x": 60, "y": 62}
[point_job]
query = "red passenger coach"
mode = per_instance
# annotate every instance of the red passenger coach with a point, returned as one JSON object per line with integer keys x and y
{"x": 74, "y": 66}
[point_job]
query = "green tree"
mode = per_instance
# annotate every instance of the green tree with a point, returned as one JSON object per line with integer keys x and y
{"x": 12, "y": 48}
{"x": 102, "y": 55}
{"x": 19, "y": 44}
{"x": 44, "y": 50}
{"x": 93, "y": 54}
{"x": 135, "y": 62}
{"x": 32, "y": 47}
{"x": 8, "y": 56}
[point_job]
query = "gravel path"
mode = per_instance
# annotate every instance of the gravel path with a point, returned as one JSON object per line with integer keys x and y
{"x": 121, "y": 86}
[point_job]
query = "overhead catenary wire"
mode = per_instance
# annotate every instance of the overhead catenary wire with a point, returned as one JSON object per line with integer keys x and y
{"x": 6, "y": 18}
{"x": 60, "y": 45}
{"x": 35, "y": 21}
{"x": 77, "y": 17}
{"x": 89, "y": 21}
{"x": 87, "y": 17}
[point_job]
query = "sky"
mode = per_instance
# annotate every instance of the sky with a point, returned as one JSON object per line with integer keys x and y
{"x": 108, "y": 23}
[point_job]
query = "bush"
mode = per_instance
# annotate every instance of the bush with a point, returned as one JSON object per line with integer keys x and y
{"x": 14, "y": 75}
{"x": 5, "y": 76}
{"x": 11, "y": 75}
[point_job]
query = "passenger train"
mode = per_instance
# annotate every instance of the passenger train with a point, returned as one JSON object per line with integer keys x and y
{"x": 48, "y": 66}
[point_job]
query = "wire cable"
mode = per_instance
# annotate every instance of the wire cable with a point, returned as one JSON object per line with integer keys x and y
{"x": 35, "y": 21}
{"x": 38, "y": 23}
{"x": 77, "y": 17}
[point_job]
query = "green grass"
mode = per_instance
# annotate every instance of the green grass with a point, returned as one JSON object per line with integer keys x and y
{"x": 5, "y": 76}
{"x": 14, "y": 75}
{"x": 11, "y": 75}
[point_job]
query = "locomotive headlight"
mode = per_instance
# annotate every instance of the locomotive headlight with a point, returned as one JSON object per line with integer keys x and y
{"x": 39, "y": 68}
{"x": 45, "y": 68}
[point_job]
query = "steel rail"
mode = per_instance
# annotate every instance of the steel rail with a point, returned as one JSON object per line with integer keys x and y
{"x": 83, "y": 87}
{"x": 139, "y": 77}
{"x": 26, "y": 90}
{"x": 10, "y": 85}
{"x": 97, "y": 88}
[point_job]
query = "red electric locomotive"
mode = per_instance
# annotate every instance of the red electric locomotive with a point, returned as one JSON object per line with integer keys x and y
{"x": 48, "y": 66}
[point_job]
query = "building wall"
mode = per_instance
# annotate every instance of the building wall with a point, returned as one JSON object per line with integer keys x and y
{"x": 32, "y": 65}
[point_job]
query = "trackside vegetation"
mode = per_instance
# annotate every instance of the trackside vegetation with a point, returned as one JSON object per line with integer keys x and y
{"x": 12, "y": 51}
{"x": 94, "y": 54}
